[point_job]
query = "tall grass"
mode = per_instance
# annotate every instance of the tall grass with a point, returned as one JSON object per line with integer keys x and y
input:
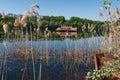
{"x": 67, "y": 63}
{"x": 72, "y": 59}
{"x": 111, "y": 42}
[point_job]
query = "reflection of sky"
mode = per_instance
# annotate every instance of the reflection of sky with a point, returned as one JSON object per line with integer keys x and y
{"x": 66, "y": 44}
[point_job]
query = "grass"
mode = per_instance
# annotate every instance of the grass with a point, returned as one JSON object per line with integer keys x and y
{"x": 42, "y": 60}
{"x": 71, "y": 62}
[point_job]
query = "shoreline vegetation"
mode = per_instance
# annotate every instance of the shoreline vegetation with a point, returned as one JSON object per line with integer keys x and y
{"x": 52, "y": 23}
{"x": 29, "y": 63}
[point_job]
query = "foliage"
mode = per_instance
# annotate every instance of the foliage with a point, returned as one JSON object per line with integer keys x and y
{"x": 53, "y": 22}
{"x": 112, "y": 68}
{"x": 107, "y": 4}
{"x": 106, "y": 71}
{"x": 97, "y": 74}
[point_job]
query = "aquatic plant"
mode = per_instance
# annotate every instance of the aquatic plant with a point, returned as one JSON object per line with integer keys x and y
{"x": 110, "y": 45}
{"x": 73, "y": 61}
{"x": 5, "y": 28}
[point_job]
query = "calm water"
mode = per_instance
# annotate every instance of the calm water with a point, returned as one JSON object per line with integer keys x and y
{"x": 62, "y": 45}
{"x": 57, "y": 67}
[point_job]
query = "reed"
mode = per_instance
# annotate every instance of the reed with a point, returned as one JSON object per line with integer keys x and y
{"x": 66, "y": 58}
{"x": 111, "y": 44}
{"x": 5, "y": 28}
{"x": 70, "y": 60}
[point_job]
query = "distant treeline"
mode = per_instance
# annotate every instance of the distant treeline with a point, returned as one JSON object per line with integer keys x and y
{"x": 56, "y": 21}
{"x": 53, "y": 22}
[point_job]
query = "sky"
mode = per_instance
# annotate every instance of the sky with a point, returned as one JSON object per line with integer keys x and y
{"x": 79, "y": 8}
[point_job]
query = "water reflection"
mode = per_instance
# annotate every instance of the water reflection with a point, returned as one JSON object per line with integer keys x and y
{"x": 67, "y": 59}
{"x": 66, "y": 34}
{"x": 58, "y": 45}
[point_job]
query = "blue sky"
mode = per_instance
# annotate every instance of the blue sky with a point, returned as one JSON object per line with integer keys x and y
{"x": 80, "y": 8}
